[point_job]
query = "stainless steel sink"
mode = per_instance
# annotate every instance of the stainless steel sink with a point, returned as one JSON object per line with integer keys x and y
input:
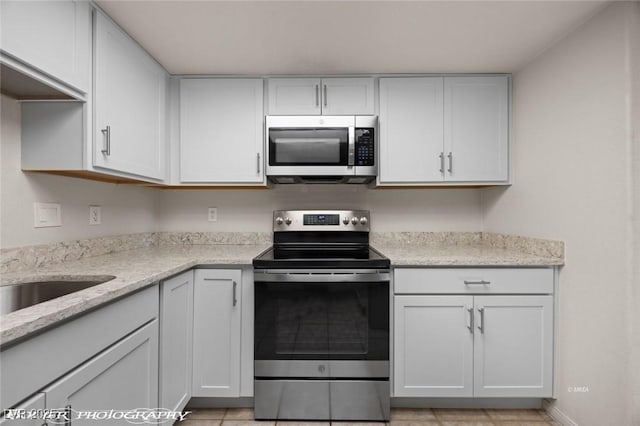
{"x": 19, "y": 296}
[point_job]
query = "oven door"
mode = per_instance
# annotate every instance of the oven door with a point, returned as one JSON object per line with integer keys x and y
{"x": 318, "y": 315}
{"x": 310, "y": 146}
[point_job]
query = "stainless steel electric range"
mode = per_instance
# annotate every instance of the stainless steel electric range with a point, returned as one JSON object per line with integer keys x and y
{"x": 321, "y": 320}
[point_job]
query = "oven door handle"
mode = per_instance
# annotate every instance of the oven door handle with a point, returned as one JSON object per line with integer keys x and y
{"x": 319, "y": 277}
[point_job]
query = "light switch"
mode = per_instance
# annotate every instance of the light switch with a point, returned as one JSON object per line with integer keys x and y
{"x": 47, "y": 215}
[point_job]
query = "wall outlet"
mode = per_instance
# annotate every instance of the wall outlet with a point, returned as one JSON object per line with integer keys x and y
{"x": 213, "y": 214}
{"x": 95, "y": 215}
{"x": 46, "y": 215}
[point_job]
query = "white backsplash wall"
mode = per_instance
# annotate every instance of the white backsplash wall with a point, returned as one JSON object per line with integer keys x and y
{"x": 391, "y": 210}
{"x": 573, "y": 182}
{"x": 125, "y": 209}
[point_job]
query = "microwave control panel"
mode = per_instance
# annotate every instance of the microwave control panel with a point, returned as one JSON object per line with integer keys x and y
{"x": 365, "y": 147}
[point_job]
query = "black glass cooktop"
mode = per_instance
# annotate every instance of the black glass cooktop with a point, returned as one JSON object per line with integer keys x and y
{"x": 321, "y": 256}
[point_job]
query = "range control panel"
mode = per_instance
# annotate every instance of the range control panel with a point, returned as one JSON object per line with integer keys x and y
{"x": 321, "y": 220}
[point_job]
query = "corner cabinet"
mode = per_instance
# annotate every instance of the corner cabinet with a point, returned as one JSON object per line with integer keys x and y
{"x": 130, "y": 104}
{"x": 49, "y": 41}
{"x": 221, "y": 131}
{"x": 176, "y": 340}
{"x": 326, "y": 96}
{"x": 217, "y": 316}
{"x": 473, "y": 332}
{"x": 436, "y": 130}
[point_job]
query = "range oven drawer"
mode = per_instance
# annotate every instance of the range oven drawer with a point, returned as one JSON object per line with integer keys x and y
{"x": 322, "y": 399}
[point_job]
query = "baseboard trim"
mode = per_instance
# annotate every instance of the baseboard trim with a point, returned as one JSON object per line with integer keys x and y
{"x": 498, "y": 403}
{"x": 556, "y": 414}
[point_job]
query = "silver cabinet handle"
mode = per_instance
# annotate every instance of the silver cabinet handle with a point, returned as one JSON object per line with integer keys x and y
{"x": 470, "y": 326}
{"x": 442, "y": 162}
{"x": 106, "y": 150}
{"x": 235, "y": 300}
{"x": 258, "y": 162}
{"x": 481, "y": 326}
{"x": 317, "y": 95}
{"x": 324, "y": 94}
{"x": 450, "y": 157}
{"x": 476, "y": 282}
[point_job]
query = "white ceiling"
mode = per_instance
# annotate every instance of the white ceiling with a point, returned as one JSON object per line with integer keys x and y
{"x": 348, "y": 36}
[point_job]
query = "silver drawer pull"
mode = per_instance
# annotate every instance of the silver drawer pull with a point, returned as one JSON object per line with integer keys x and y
{"x": 470, "y": 326}
{"x": 476, "y": 282}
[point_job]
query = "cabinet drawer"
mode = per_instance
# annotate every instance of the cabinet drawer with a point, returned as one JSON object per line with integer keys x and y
{"x": 473, "y": 280}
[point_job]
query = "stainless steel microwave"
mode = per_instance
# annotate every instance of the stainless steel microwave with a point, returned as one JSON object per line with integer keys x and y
{"x": 321, "y": 149}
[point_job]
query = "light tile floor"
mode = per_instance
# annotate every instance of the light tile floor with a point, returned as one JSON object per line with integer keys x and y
{"x": 399, "y": 417}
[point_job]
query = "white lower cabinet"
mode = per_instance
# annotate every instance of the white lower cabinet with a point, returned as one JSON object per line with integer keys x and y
{"x": 217, "y": 311}
{"x": 124, "y": 377}
{"x": 473, "y": 345}
{"x": 176, "y": 337}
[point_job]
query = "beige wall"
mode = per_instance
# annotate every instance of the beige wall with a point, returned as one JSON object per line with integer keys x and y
{"x": 573, "y": 182}
{"x": 124, "y": 209}
{"x": 249, "y": 210}
{"x": 634, "y": 300}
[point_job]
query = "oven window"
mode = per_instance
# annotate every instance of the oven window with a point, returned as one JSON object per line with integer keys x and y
{"x": 323, "y": 146}
{"x": 322, "y": 321}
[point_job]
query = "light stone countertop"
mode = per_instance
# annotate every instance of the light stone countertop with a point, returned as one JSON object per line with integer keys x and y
{"x": 133, "y": 270}
{"x": 462, "y": 255}
{"x": 140, "y": 267}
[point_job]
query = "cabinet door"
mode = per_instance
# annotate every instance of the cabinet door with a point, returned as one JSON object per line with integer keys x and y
{"x": 123, "y": 377}
{"x": 130, "y": 108}
{"x": 476, "y": 128}
{"x": 433, "y": 349}
{"x": 294, "y": 96}
{"x": 347, "y": 96}
{"x": 176, "y": 339}
{"x": 221, "y": 130}
{"x": 18, "y": 416}
{"x": 411, "y": 130}
{"x": 216, "y": 332}
{"x": 513, "y": 346}
{"x": 51, "y": 36}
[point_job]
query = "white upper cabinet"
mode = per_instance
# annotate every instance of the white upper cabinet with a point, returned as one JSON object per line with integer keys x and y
{"x": 444, "y": 130}
{"x": 476, "y": 128}
{"x": 52, "y": 37}
{"x": 221, "y": 131}
{"x": 326, "y": 96}
{"x": 411, "y": 129}
{"x": 130, "y": 104}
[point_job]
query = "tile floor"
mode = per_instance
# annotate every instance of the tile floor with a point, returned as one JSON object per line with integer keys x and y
{"x": 399, "y": 417}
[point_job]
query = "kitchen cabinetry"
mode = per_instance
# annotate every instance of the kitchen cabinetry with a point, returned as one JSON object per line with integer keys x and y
{"x": 176, "y": 339}
{"x": 326, "y": 96}
{"x": 116, "y": 367}
{"x": 221, "y": 131}
{"x": 130, "y": 106}
{"x": 49, "y": 41}
{"x": 459, "y": 333}
{"x": 444, "y": 129}
{"x": 217, "y": 313}
{"x": 124, "y": 377}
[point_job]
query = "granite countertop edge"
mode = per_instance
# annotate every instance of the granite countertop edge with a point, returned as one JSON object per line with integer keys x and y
{"x": 158, "y": 263}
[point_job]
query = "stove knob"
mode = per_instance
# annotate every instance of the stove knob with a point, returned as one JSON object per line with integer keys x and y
{"x": 279, "y": 220}
{"x": 345, "y": 220}
{"x": 287, "y": 221}
{"x": 363, "y": 220}
{"x": 354, "y": 220}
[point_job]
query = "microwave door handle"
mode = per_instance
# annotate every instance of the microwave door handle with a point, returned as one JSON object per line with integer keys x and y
{"x": 351, "y": 158}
